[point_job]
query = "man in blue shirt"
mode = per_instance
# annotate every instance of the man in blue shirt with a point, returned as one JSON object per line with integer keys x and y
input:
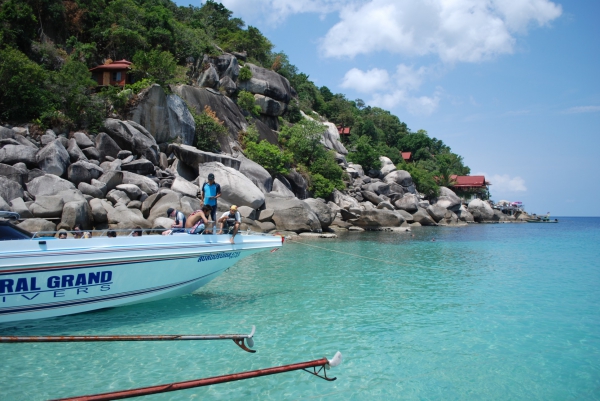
{"x": 210, "y": 192}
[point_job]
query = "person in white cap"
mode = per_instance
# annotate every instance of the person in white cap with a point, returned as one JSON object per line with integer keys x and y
{"x": 233, "y": 220}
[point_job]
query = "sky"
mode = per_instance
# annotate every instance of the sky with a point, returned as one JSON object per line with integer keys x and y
{"x": 513, "y": 86}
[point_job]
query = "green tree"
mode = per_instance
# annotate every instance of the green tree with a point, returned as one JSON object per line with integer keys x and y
{"x": 156, "y": 65}
{"x": 22, "y": 87}
{"x": 71, "y": 89}
{"x": 246, "y": 101}
{"x": 365, "y": 154}
{"x": 208, "y": 129}
{"x": 304, "y": 141}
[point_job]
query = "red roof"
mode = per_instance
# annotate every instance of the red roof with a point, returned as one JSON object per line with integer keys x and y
{"x": 463, "y": 181}
{"x": 115, "y": 65}
{"x": 406, "y": 155}
{"x": 344, "y": 130}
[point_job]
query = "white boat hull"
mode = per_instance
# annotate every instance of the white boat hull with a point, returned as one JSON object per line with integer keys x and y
{"x": 42, "y": 278}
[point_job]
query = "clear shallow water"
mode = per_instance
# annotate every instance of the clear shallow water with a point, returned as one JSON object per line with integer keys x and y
{"x": 499, "y": 312}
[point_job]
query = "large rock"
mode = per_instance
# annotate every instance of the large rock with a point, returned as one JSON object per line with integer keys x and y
{"x": 146, "y": 184}
{"x": 115, "y": 196}
{"x": 268, "y": 83}
{"x": 184, "y": 187}
{"x": 99, "y": 212}
{"x": 280, "y": 189}
{"x": 194, "y": 157}
{"x": 298, "y": 184}
{"x": 47, "y": 206}
{"x": 225, "y": 109}
{"x": 331, "y": 139}
{"x": 89, "y": 189}
{"x": 83, "y": 171}
{"x": 157, "y": 205}
{"x": 11, "y": 154}
{"x": 48, "y": 184}
{"x": 106, "y": 146}
{"x": 377, "y": 218}
{"x": 437, "y": 212}
{"x": 292, "y": 214}
{"x": 448, "y": 199}
{"x": 132, "y": 191}
{"x": 358, "y": 168}
{"x": 7, "y": 133}
{"x": 422, "y": 217}
{"x": 226, "y": 65}
{"x": 407, "y": 216}
{"x": 17, "y": 205}
{"x": 321, "y": 210}
{"x": 152, "y": 113}
{"x": 269, "y": 106}
{"x": 140, "y": 166}
{"x": 75, "y": 153}
{"x": 76, "y": 212}
{"x": 464, "y": 215}
{"x": 209, "y": 78}
{"x": 37, "y": 225}
{"x": 92, "y": 153}
{"x": 402, "y": 178}
{"x": 236, "y": 188}
{"x": 111, "y": 179}
{"x": 387, "y": 166}
{"x": 122, "y": 217}
{"x": 257, "y": 174}
{"x": 182, "y": 127}
{"x": 408, "y": 202}
{"x": 379, "y": 187}
{"x": 132, "y": 136}
{"x": 344, "y": 201}
{"x": 53, "y": 158}
{"x": 15, "y": 173}
{"x": 481, "y": 211}
{"x": 371, "y": 197}
{"x": 83, "y": 141}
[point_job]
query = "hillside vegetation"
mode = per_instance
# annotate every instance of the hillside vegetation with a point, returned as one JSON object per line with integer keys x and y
{"x": 48, "y": 46}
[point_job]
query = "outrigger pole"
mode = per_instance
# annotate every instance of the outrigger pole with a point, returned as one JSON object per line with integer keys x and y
{"x": 237, "y": 338}
{"x": 323, "y": 364}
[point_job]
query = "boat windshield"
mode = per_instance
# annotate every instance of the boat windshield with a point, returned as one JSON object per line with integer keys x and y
{"x": 9, "y": 232}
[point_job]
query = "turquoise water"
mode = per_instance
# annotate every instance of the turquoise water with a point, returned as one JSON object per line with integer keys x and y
{"x": 499, "y": 312}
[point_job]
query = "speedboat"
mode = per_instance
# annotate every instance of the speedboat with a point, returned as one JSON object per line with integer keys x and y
{"x": 42, "y": 276}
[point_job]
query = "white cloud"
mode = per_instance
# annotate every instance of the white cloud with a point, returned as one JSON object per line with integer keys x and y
{"x": 457, "y": 30}
{"x": 276, "y": 11}
{"x": 583, "y": 109}
{"x": 502, "y": 183}
{"x": 368, "y": 81}
{"x": 395, "y": 91}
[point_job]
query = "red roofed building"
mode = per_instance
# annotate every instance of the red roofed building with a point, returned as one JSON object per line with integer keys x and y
{"x": 344, "y": 130}
{"x": 407, "y": 156}
{"x": 115, "y": 73}
{"x": 470, "y": 186}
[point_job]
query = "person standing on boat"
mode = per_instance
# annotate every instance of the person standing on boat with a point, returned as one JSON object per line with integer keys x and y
{"x": 209, "y": 194}
{"x": 233, "y": 220}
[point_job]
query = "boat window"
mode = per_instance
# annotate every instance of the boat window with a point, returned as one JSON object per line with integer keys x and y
{"x": 8, "y": 232}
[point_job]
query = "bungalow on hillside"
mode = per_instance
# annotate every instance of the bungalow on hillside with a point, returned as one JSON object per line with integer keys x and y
{"x": 407, "y": 156}
{"x": 115, "y": 73}
{"x": 469, "y": 187}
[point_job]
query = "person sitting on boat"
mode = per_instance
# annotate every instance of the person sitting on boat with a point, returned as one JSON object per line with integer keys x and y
{"x": 137, "y": 231}
{"x": 198, "y": 221}
{"x": 209, "y": 193}
{"x": 179, "y": 225}
{"x": 111, "y": 234}
{"x": 232, "y": 221}
{"x": 77, "y": 233}
{"x": 62, "y": 234}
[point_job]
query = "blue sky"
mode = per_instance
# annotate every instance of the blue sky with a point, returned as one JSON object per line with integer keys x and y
{"x": 513, "y": 86}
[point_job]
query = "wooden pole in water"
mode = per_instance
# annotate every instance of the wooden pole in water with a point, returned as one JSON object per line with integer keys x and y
{"x": 163, "y": 388}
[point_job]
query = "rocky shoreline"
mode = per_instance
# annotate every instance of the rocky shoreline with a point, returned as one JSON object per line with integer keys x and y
{"x": 121, "y": 178}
